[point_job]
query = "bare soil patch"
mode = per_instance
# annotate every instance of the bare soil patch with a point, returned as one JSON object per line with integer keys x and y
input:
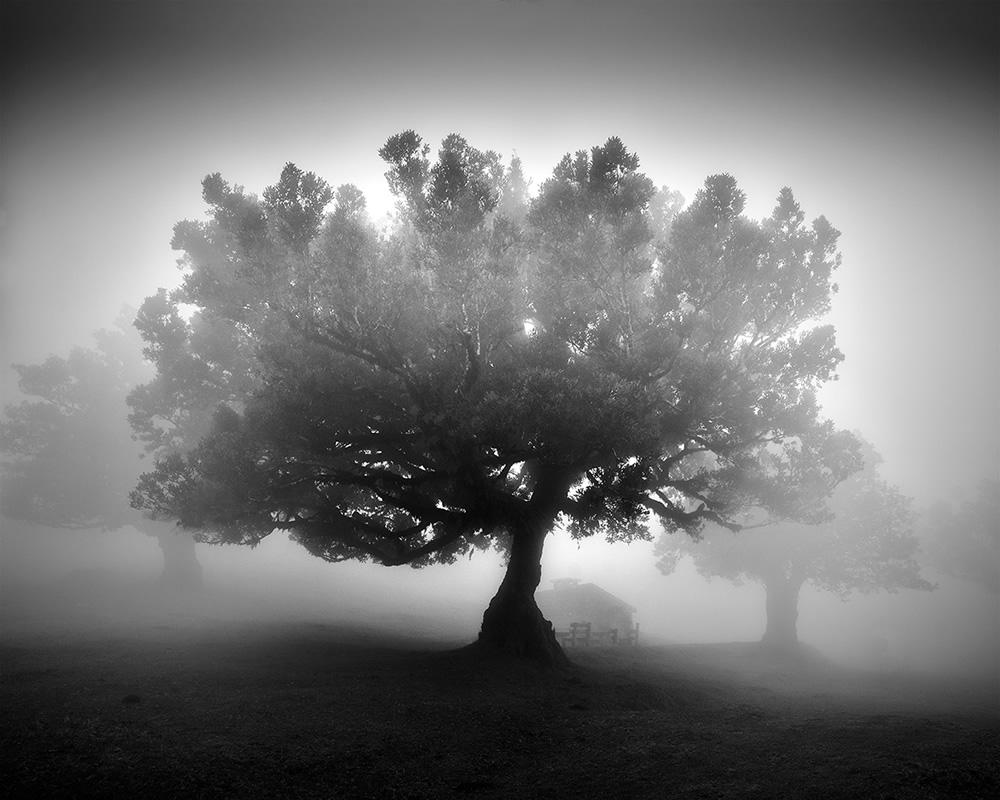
{"x": 146, "y": 702}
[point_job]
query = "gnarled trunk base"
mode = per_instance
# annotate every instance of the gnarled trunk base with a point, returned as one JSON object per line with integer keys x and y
{"x": 513, "y": 626}
{"x": 782, "y": 612}
{"x": 181, "y": 568}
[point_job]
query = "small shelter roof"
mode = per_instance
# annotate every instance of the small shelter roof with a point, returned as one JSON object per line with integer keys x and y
{"x": 573, "y": 588}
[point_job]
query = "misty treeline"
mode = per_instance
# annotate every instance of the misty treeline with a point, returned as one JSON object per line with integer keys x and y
{"x": 70, "y": 456}
{"x": 490, "y": 367}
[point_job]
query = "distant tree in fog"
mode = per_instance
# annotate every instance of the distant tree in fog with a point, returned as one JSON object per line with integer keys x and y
{"x": 473, "y": 378}
{"x": 964, "y": 541}
{"x": 70, "y": 459}
{"x": 869, "y": 545}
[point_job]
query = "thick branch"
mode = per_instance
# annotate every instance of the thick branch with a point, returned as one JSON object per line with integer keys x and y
{"x": 683, "y": 518}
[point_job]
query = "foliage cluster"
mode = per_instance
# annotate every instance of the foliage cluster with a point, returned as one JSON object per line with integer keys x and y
{"x": 477, "y": 373}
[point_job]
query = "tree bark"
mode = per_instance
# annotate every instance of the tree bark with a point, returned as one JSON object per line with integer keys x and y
{"x": 513, "y": 624}
{"x": 782, "y": 610}
{"x": 181, "y": 568}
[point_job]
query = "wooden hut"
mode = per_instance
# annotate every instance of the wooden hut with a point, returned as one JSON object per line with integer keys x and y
{"x": 571, "y": 602}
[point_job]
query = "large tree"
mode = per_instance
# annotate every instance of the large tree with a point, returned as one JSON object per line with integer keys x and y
{"x": 70, "y": 458}
{"x": 868, "y": 545}
{"x": 469, "y": 380}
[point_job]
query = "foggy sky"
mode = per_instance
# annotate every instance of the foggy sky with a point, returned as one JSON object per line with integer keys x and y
{"x": 883, "y": 116}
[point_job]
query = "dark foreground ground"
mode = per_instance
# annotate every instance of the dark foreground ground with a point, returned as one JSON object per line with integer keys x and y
{"x": 156, "y": 703}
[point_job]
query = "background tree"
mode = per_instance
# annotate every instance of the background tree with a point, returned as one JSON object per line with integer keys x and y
{"x": 70, "y": 459}
{"x": 965, "y": 541}
{"x": 868, "y": 546}
{"x": 464, "y": 383}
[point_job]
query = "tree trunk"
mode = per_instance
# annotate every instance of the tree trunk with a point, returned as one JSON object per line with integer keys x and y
{"x": 181, "y": 568}
{"x": 513, "y": 624}
{"x": 782, "y": 611}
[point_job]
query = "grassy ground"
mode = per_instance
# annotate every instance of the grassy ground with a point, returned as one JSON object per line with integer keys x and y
{"x": 142, "y": 701}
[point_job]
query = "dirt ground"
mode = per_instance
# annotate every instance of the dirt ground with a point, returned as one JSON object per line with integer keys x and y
{"x": 116, "y": 697}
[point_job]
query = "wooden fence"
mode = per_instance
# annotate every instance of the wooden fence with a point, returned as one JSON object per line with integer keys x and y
{"x": 580, "y": 634}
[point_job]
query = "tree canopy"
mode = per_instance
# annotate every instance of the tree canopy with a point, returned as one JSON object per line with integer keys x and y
{"x": 868, "y": 545}
{"x": 200, "y": 363}
{"x": 476, "y": 376}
